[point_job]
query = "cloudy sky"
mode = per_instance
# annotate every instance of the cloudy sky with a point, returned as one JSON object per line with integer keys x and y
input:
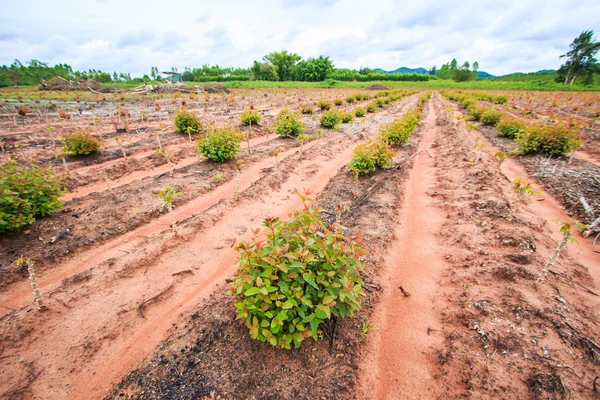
{"x": 131, "y": 36}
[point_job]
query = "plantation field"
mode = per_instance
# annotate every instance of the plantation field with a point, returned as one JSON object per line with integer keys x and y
{"x": 444, "y": 208}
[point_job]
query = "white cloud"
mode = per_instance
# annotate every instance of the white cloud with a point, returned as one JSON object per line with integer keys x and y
{"x": 123, "y": 36}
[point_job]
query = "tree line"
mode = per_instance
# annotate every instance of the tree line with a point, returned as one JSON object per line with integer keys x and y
{"x": 581, "y": 66}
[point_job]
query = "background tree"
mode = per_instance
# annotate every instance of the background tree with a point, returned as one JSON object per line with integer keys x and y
{"x": 283, "y": 62}
{"x": 313, "y": 69}
{"x": 432, "y": 71}
{"x": 581, "y": 60}
{"x": 264, "y": 72}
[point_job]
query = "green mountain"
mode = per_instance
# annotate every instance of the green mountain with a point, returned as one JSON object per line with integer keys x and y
{"x": 406, "y": 70}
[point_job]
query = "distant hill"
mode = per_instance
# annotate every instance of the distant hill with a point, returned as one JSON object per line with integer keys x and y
{"x": 406, "y": 70}
{"x": 403, "y": 70}
{"x": 541, "y": 75}
{"x": 484, "y": 75}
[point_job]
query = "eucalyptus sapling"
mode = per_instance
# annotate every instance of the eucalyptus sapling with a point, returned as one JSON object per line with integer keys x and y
{"x": 50, "y": 130}
{"x": 61, "y": 155}
{"x": 238, "y": 172}
{"x": 167, "y": 194}
{"x": 522, "y": 190}
{"x": 36, "y": 291}
{"x": 105, "y": 175}
{"x": 120, "y": 141}
{"x": 565, "y": 229}
{"x": 276, "y": 153}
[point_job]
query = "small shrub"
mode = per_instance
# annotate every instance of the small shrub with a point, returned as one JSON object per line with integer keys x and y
{"x": 379, "y": 103}
{"x": 324, "y": 105}
{"x": 370, "y": 156}
{"x": 475, "y": 111}
{"x": 338, "y": 102}
{"x": 366, "y": 96}
{"x": 399, "y": 132}
{"x": 187, "y": 122}
{"x": 550, "y": 139}
{"x": 300, "y": 275}
{"x": 250, "y": 117}
{"x": 371, "y": 107}
{"x": 359, "y": 111}
{"x": 350, "y": 99}
{"x": 306, "y": 109}
{"x": 501, "y": 100}
{"x": 331, "y": 119}
{"x": 490, "y": 117}
{"x": 27, "y": 191}
{"x": 347, "y": 117}
{"x": 221, "y": 144}
{"x": 288, "y": 123}
{"x": 509, "y": 127}
{"x": 80, "y": 144}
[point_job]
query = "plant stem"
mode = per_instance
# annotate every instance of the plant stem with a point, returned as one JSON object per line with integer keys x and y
{"x": 36, "y": 291}
{"x": 552, "y": 259}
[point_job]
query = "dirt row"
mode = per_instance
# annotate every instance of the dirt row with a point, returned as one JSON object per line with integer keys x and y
{"x": 88, "y": 218}
{"x": 569, "y": 179}
{"x": 505, "y": 332}
{"x": 96, "y": 296}
{"x": 453, "y": 305}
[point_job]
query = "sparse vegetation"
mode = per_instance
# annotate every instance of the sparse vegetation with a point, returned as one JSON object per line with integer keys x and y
{"x": 80, "y": 144}
{"x": 187, "y": 122}
{"x": 302, "y": 274}
{"x": 288, "y": 123}
{"x": 27, "y": 192}
{"x": 250, "y": 117}
{"x": 220, "y": 144}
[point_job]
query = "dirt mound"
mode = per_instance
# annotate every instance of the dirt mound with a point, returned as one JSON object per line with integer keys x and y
{"x": 59, "y": 83}
{"x": 377, "y": 86}
{"x": 214, "y": 88}
{"x": 172, "y": 87}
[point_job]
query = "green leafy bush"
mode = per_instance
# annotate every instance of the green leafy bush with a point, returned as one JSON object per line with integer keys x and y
{"x": 366, "y": 96}
{"x": 509, "y": 127}
{"x": 288, "y": 123}
{"x": 80, "y": 144}
{"x": 500, "y": 100}
{"x": 250, "y": 117}
{"x": 490, "y": 117}
{"x": 370, "y": 156}
{"x": 331, "y": 119}
{"x": 372, "y": 107}
{"x": 475, "y": 111}
{"x": 338, "y": 102}
{"x": 350, "y": 99}
{"x": 221, "y": 144}
{"x": 550, "y": 139}
{"x": 187, "y": 121}
{"x": 379, "y": 103}
{"x": 359, "y": 111}
{"x": 26, "y": 192}
{"x": 302, "y": 274}
{"x": 399, "y": 132}
{"x": 347, "y": 117}
{"x": 324, "y": 105}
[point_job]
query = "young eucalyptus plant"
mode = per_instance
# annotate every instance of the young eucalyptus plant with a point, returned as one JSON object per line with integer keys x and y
{"x": 36, "y": 291}
{"x": 565, "y": 229}
{"x": 523, "y": 190}
{"x": 167, "y": 194}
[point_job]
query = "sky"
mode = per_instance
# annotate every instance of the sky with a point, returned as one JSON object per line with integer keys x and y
{"x": 131, "y": 36}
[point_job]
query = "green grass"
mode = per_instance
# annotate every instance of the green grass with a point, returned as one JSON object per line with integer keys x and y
{"x": 487, "y": 84}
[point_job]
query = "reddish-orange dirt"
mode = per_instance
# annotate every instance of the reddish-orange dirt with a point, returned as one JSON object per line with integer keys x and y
{"x": 395, "y": 360}
{"x": 137, "y": 312}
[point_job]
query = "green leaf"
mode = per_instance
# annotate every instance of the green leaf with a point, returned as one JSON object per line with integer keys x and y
{"x": 252, "y": 291}
{"x": 287, "y": 305}
{"x": 310, "y": 279}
